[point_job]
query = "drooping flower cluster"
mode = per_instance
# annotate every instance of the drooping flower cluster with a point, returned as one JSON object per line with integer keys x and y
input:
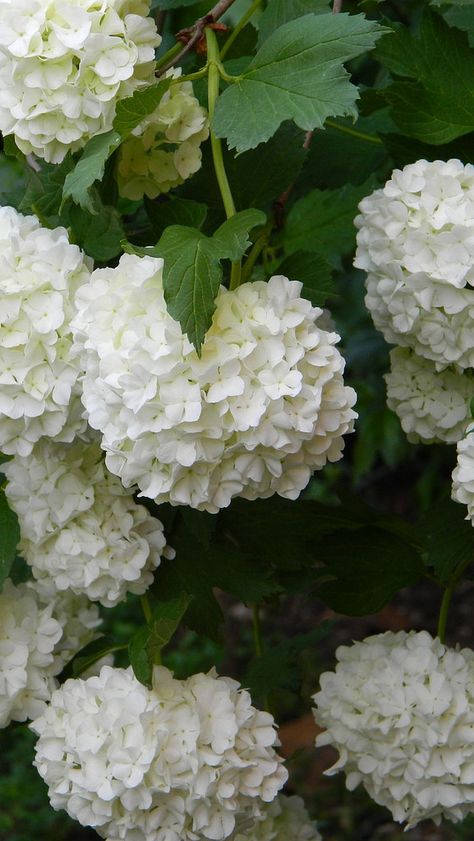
{"x": 64, "y": 64}
{"x": 432, "y": 405}
{"x": 39, "y": 632}
{"x": 399, "y": 708}
{"x": 79, "y": 526}
{"x": 165, "y": 149}
{"x": 463, "y": 474}
{"x": 285, "y": 819}
{"x": 416, "y": 242}
{"x": 180, "y": 762}
{"x": 39, "y": 274}
{"x": 260, "y": 409}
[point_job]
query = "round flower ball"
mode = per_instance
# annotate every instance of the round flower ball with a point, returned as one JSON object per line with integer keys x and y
{"x": 78, "y": 525}
{"x": 262, "y": 407}
{"x": 183, "y": 761}
{"x": 285, "y": 819}
{"x": 431, "y": 405}
{"x": 416, "y": 243}
{"x": 463, "y": 474}
{"x": 165, "y": 149}
{"x": 399, "y": 708}
{"x": 39, "y": 633}
{"x": 64, "y": 64}
{"x": 40, "y": 272}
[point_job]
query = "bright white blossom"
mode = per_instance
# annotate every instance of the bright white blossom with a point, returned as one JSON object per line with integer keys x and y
{"x": 64, "y": 64}
{"x": 39, "y": 273}
{"x": 39, "y": 633}
{"x": 181, "y": 762}
{"x": 399, "y": 708}
{"x": 285, "y": 819}
{"x": 463, "y": 474}
{"x": 432, "y": 405}
{"x": 416, "y": 242}
{"x": 260, "y": 409}
{"x": 79, "y": 526}
{"x": 165, "y": 149}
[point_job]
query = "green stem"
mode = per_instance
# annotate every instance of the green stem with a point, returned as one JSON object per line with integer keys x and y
{"x": 446, "y": 600}
{"x": 370, "y": 138}
{"x": 238, "y": 29}
{"x": 255, "y": 251}
{"x": 257, "y": 630}
{"x": 169, "y": 55}
{"x": 145, "y": 603}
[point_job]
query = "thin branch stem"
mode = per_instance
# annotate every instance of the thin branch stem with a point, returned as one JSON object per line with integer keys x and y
{"x": 370, "y": 138}
{"x": 238, "y": 29}
{"x": 168, "y": 59}
{"x": 193, "y": 35}
{"x": 216, "y": 144}
{"x": 446, "y": 600}
{"x": 146, "y": 608}
{"x": 257, "y": 631}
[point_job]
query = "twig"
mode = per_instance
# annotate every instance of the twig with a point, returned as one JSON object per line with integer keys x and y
{"x": 193, "y": 34}
{"x": 337, "y": 6}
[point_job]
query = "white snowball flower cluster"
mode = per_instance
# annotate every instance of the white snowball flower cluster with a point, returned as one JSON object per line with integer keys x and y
{"x": 432, "y": 405}
{"x": 463, "y": 474}
{"x": 416, "y": 241}
{"x": 38, "y": 635}
{"x": 263, "y": 406}
{"x": 285, "y": 819}
{"x": 64, "y": 64}
{"x": 39, "y": 274}
{"x": 180, "y": 762}
{"x": 165, "y": 149}
{"x": 399, "y": 708}
{"x": 79, "y": 526}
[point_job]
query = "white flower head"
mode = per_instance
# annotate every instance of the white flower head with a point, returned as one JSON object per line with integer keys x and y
{"x": 432, "y": 405}
{"x": 285, "y": 819}
{"x": 399, "y": 708}
{"x": 463, "y": 474}
{"x": 262, "y": 407}
{"x": 64, "y": 64}
{"x": 39, "y": 632}
{"x": 416, "y": 243}
{"x": 165, "y": 149}
{"x": 79, "y": 526}
{"x": 39, "y": 273}
{"x": 180, "y": 762}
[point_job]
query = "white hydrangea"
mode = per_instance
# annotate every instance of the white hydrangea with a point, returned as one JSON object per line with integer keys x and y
{"x": 181, "y": 762}
{"x": 432, "y": 405}
{"x": 399, "y": 708}
{"x": 416, "y": 242}
{"x": 463, "y": 474}
{"x": 165, "y": 149}
{"x": 263, "y": 406}
{"x": 64, "y": 64}
{"x": 79, "y": 527}
{"x": 285, "y": 819}
{"x": 39, "y": 633}
{"x": 39, "y": 273}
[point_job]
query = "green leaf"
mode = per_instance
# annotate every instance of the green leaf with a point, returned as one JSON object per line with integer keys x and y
{"x": 314, "y": 273}
{"x": 296, "y": 75}
{"x": 100, "y": 235}
{"x": 176, "y": 211}
{"x": 88, "y": 656}
{"x": 133, "y": 110}
{"x": 232, "y": 237}
{"x": 436, "y": 102}
{"x": 9, "y": 537}
{"x": 367, "y": 568}
{"x": 90, "y": 168}
{"x": 140, "y": 659}
{"x": 323, "y": 221}
{"x": 165, "y": 621}
{"x": 44, "y": 192}
{"x": 279, "y": 12}
{"x": 449, "y": 538}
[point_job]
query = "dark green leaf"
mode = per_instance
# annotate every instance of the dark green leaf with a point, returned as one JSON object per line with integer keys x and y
{"x": 314, "y": 273}
{"x": 165, "y": 621}
{"x": 436, "y": 105}
{"x": 232, "y": 238}
{"x": 90, "y": 168}
{"x": 9, "y": 537}
{"x": 449, "y": 538}
{"x": 100, "y": 235}
{"x": 140, "y": 659}
{"x": 88, "y": 656}
{"x": 368, "y": 568}
{"x": 176, "y": 211}
{"x": 133, "y": 110}
{"x": 279, "y": 12}
{"x": 323, "y": 221}
{"x": 297, "y": 74}
{"x": 44, "y": 193}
